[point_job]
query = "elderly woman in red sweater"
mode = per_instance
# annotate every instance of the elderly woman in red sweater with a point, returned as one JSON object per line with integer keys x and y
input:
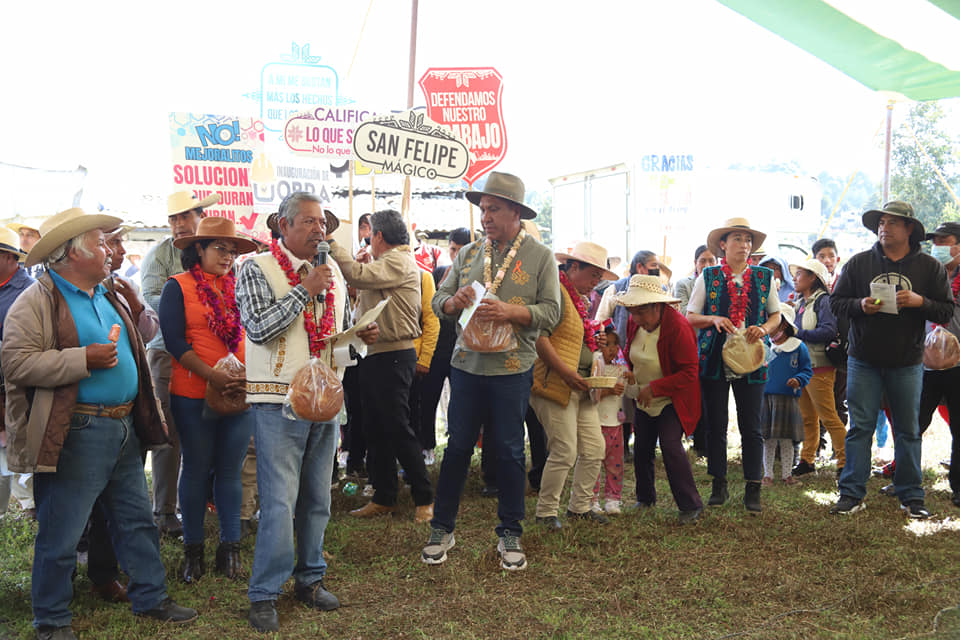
{"x": 661, "y": 349}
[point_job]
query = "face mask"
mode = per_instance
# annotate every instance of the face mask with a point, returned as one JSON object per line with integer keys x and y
{"x": 653, "y": 272}
{"x": 941, "y": 253}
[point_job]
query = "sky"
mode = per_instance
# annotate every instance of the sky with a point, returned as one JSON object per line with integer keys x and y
{"x": 92, "y": 82}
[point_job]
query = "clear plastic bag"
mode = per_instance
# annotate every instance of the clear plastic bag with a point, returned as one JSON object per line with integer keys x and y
{"x": 489, "y": 335}
{"x": 742, "y": 357}
{"x": 597, "y": 369}
{"x": 941, "y": 349}
{"x": 315, "y": 394}
{"x": 227, "y": 405}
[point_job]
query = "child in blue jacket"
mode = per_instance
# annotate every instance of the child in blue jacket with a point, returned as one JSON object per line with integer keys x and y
{"x": 780, "y": 422}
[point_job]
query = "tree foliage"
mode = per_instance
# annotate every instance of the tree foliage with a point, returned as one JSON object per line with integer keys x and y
{"x": 912, "y": 178}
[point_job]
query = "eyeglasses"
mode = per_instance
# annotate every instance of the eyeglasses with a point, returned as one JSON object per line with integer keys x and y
{"x": 225, "y": 251}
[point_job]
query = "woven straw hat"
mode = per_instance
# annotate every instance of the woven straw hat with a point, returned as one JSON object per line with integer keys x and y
{"x": 644, "y": 289}
{"x": 64, "y": 226}
{"x": 815, "y": 267}
{"x": 10, "y": 242}
{"x": 185, "y": 201}
{"x": 733, "y": 224}
{"x": 590, "y": 253}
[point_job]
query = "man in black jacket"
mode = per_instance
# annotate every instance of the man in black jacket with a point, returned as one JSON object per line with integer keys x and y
{"x": 886, "y": 349}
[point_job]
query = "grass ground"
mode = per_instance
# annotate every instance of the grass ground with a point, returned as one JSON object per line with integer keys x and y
{"x": 792, "y": 572}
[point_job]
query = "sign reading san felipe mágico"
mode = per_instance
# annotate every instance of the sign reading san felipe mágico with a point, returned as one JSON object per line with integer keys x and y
{"x": 411, "y": 144}
{"x": 467, "y": 100}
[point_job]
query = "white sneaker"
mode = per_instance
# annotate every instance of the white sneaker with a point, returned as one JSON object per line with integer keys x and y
{"x": 595, "y": 506}
{"x": 367, "y": 491}
{"x": 435, "y": 551}
{"x": 512, "y": 557}
{"x": 428, "y": 457}
{"x": 612, "y": 507}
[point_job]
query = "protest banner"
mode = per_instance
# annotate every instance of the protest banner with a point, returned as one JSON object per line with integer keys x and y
{"x": 467, "y": 100}
{"x": 324, "y": 132}
{"x": 412, "y": 145}
{"x": 219, "y": 154}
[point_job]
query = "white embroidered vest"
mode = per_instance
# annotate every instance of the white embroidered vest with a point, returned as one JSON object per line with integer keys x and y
{"x": 271, "y": 366}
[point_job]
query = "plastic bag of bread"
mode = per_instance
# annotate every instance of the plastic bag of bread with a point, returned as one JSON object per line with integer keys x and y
{"x": 941, "y": 350}
{"x": 740, "y": 356}
{"x": 315, "y": 394}
{"x": 489, "y": 335}
{"x": 228, "y": 405}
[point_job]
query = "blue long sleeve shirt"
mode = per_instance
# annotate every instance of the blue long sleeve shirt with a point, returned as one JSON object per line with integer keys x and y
{"x": 789, "y": 364}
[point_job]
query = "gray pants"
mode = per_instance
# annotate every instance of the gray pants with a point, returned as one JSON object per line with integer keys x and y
{"x": 165, "y": 462}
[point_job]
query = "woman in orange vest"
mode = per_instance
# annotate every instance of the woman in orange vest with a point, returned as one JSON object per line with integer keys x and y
{"x": 200, "y": 322}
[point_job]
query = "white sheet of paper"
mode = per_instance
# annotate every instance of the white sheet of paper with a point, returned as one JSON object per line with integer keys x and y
{"x": 886, "y": 293}
{"x": 4, "y": 470}
{"x": 479, "y": 290}
{"x": 343, "y": 340}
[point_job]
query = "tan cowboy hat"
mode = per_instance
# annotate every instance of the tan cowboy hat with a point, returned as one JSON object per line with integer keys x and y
{"x": 733, "y": 224}
{"x": 10, "y": 243}
{"x": 217, "y": 228}
{"x": 64, "y": 226}
{"x": 273, "y": 221}
{"x": 815, "y": 267}
{"x": 185, "y": 201}
{"x": 590, "y": 253}
{"x": 901, "y": 209}
{"x": 506, "y": 186}
{"x": 29, "y": 223}
{"x": 120, "y": 231}
{"x": 644, "y": 289}
{"x": 532, "y": 229}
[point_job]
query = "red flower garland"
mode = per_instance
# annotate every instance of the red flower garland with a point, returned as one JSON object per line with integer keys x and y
{"x": 955, "y": 285}
{"x": 588, "y": 338}
{"x": 739, "y": 296}
{"x": 223, "y": 315}
{"x": 317, "y": 338}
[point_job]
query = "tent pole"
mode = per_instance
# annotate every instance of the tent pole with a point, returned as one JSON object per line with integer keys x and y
{"x": 886, "y": 151}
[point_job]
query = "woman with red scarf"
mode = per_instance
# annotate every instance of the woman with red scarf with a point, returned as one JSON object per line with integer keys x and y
{"x": 662, "y": 351}
{"x": 201, "y": 324}
{"x": 733, "y": 298}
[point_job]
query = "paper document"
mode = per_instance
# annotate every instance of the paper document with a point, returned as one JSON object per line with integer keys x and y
{"x": 479, "y": 291}
{"x": 886, "y": 293}
{"x": 347, "y": 344}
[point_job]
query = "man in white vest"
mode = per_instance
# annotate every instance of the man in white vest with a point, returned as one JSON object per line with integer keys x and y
{"x": 289, "y": 305}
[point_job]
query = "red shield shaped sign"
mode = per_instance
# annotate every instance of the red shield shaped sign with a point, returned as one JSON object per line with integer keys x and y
{"x": 468, "y": 101}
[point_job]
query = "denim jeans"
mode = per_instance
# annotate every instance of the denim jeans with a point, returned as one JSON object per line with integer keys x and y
{"x": 866, "y": 385}
{"x": 206, "y": 445}
{"x": 294, "y": 469}
{"x": 500, "y": 403}
{"x": 99, "y": 456}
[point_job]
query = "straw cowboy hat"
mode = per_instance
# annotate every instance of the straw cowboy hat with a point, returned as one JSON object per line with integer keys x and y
{"x": 29, "y": 223}
{"x": 901, "y": 209}
{"x": 217, "y": 228}
{"x": 532, "y": 229}
{"x": 644, "y": 289}
{"x": 185, "y": 201}
{"x": 10, "y": 242}
{"x": 273, "y": 221}
{"x": 733, "y": 224}
{"x": 815, "y": 267}
{"x": 506, "y": 186}
{"x": 64, "y": 226}
{"x": 590, "y": 253}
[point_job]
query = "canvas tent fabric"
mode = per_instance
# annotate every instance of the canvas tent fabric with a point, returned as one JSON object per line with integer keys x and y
{"x": 903, "y": 47}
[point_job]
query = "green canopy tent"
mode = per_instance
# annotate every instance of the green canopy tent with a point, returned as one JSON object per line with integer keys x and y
{"x": 906, "y": 48}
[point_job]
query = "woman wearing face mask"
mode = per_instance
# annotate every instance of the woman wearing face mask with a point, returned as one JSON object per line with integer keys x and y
{"x": 200, "y": 322}
{"x": 727, "y": 299}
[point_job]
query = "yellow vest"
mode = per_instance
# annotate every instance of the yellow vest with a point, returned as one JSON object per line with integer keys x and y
{"x": 567, "y": 340}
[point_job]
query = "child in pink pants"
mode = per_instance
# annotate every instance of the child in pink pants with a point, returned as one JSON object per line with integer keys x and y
{"x": 609, "y": 406}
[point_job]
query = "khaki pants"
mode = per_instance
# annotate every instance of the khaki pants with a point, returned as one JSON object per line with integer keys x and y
{"x": 248, "y": 479}
{"x": 574, "y": 439}
{"x": 165, "y": 462}
{"x": 817, "y": 405}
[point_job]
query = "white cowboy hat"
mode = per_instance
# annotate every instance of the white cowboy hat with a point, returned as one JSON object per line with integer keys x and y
{"x": 644, "y": 289}
{"x": 10, "y": 242}
{"x": 64, "y": 226}
{"x": 590, "y": 253}
{"x": 186, "y": 201}
{"x": 506, "y": 186}
{"x": 28, "y": 223}
{"x": 731, "y": 225}
{"x": 815, "y": 267}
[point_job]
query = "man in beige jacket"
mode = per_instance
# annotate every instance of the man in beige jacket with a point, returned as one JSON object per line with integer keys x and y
{"x": 387, "y": 372}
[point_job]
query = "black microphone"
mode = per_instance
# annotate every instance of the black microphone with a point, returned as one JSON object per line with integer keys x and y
{"x": 323, "y": 249}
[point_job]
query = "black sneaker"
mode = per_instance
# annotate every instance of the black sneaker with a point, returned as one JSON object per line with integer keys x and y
{"x": 170, "y": 611}
{"x": 263, "y": 616}
{"x": 317, "y": 596}
{"x": 803, "y": 468}
{"x": 719, "y": 494}
{"x": 551, "y": 523}
{"x": 916, "y": 510}
{"x": 689, "y": 517}
{"x": 593, "y": 516}
{"x": 956, "y": 499}
{"x": 847, "y": 505}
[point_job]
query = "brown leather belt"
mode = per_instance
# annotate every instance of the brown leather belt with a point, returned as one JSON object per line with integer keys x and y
{"x": 116, "y": 411}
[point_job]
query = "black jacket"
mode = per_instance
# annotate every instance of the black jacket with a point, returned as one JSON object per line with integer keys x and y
{"x": 883, "y": 339}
